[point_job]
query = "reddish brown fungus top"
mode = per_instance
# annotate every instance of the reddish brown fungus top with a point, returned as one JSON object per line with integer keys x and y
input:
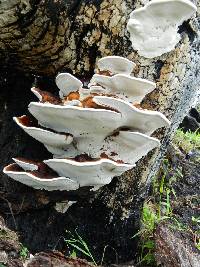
{"x": 105, "y": 156}
{"x": 85, "y": 103}
{"x": 72, "y": 96}
{"x": 13, "y": 168}
{"x": 87, "y": 158}
{"x": 84, "y": 158}
{"x": 89, "y": 103}
{"x": 32, "y": 122}
{"x": 48, "y": 97}
{"x": 27, "y": 121}
{"x": 104, "y": 72}
{"x": 43, "y": 172}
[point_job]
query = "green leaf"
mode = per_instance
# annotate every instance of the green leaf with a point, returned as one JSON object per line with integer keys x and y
{"x": 80, "y": 249}
{"x": 149, "y": 244}
{"x": 196, "y": 220}
{"x": 73, "y": 254}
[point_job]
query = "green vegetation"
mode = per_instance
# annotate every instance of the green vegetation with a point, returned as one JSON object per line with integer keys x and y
{"x": 187, "y": 141}
{"x": 156, "y": 209}
{"x": 79, "y": 244}
{"x": 24, "y": 253}
{"x": 198, "y": 244}
{"x": 196, "y": 222}
{"x": 147, "y": 245}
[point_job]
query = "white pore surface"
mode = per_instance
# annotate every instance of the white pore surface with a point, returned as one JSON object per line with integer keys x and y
{"x": 90, "y": 173}
{"x": 27, "y": 178}
{"x": 153, "y": 28}
{"x": 124, "y": 86}
{"x": 116, "y": 64}
{"x": 67, "y": 83}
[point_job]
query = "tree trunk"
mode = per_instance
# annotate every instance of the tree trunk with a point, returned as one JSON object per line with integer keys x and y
{"x": 44, "y": 37}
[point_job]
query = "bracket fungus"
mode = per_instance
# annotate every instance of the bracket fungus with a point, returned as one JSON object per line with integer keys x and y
{"x": 154, "y": 28}
{"x": 125, "y": 86}
{"x": 73, "y": 84}
{"x": 42, "y": 178}
{"x": 54, "y": 142}
{"x": 89, "y": 172}
{"x": 94, "y": 133}
{"x": 114, "y": 64}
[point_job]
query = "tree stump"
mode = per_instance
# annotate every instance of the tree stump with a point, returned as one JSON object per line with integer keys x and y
{"x": 44, "y": 37}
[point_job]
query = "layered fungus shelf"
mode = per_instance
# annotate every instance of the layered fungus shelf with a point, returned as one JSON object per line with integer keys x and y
{"x": 93, "y": 133}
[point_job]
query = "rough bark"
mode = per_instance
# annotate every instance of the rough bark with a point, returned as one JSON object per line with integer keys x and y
{"x": 174, "y": 248}
{"x": 47, "y": 36}
{"x": 44, "y": 37}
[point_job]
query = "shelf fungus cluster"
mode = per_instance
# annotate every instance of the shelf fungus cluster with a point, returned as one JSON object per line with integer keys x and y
{"x": 94, "y": 133}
